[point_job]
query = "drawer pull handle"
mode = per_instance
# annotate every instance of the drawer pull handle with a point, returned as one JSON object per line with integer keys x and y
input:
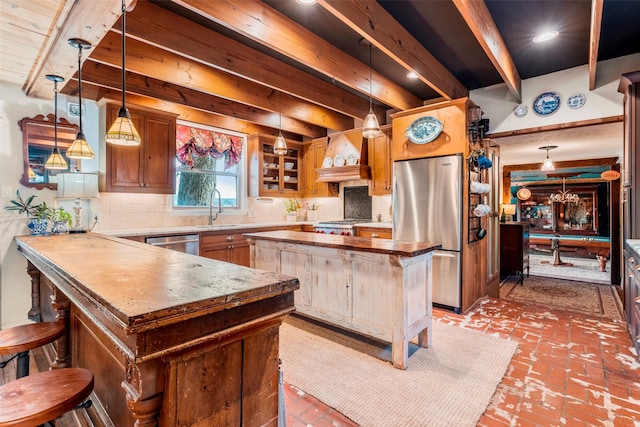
{"x": 229, "y": 238}
{"x": 375, "y": 235}
{"x": 632, "y": 260}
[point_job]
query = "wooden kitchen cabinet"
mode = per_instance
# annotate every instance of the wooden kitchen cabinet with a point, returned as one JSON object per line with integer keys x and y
{"x": 271, "y": 174}
{"x": 381, "y": 163}
{"x": 228, "y": 247}
{"x": 374, "y": 232}
{"x": 312, "y": 157}
{"x": 514, "y": 248}
{"x": 148, "y": 167}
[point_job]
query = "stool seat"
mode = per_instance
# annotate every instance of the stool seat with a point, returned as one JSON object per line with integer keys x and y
{"x": 44, "y": 396}
{"x": 27, "y": 337}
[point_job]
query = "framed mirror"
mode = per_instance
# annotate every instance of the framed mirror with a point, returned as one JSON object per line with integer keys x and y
{"x": 37, "y": 145}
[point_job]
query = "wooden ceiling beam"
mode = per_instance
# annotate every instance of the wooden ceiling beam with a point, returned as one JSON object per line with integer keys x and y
{"x": 477, "y": 16}
{"x": 184, "y": 113}
{"x": 594, "y": 40}
{"x": 162, "y": 65}
{"x": 111, "y": 78}
{"x": 86, "y": 19}
{"x": 154, "y": 25}
{"x": 375, "y": 24}
{"x": 264, "y": 25}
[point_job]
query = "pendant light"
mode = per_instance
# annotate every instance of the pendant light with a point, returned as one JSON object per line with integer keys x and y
{"x": 370, "y": 127}
{"x": 55, "y": 160}
{"x": 80, "y": 149}
{"x": 122, "y": 131}
{"x": 547, "y": 165}
{"x": 280, "y": 146}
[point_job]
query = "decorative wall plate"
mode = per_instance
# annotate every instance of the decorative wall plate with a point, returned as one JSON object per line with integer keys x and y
{"x": 352, "y": 159}
{"x": 523, "y": 193}
{"x": 547, "y": 103}
{"x": 424, "y": 130}
{"x": 576, "y": 101}
{"x": 338, "y": 160}
{"x": 521, "y": 110}
{"x": 327, "y": 162}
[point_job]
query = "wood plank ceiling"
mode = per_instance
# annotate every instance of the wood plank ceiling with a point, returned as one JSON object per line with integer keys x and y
{"x": 241, "y": 65}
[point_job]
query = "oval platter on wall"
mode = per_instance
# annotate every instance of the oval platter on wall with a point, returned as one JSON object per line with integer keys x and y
{"x": 424, "y": 130}
{"x": 547, "y": 103}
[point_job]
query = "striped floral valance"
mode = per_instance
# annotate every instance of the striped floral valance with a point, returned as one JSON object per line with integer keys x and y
{"x": 192, "y": 141}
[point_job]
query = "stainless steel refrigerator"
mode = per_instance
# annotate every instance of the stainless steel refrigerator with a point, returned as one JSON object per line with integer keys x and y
{"x": 427, "y": 207}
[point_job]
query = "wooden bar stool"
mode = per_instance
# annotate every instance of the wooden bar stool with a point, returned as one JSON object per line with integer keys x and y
{"x": 42, "y": 397}
{"x": 19, "y": 340}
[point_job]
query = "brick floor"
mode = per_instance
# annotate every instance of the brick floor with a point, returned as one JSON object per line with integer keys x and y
{"x": 570, "y": 369}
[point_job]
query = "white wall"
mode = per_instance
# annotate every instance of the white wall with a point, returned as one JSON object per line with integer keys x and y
{"x": 582, "y": 143}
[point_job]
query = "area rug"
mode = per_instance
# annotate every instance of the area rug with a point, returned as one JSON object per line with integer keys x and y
{"x": 448, "y": 384}
{"x": 592, "y": 299}
{"x": 583, "y": 269}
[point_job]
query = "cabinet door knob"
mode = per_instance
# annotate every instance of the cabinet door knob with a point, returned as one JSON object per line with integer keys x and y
{"x": 637, "y": 300}
{"x": 229, "y": 238}
{"x": 632, "y": 260}
{"x": 230, "y": 247}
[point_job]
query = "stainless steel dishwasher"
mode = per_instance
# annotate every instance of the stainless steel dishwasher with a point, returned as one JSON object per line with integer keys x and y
{"x": 189, "y": 243}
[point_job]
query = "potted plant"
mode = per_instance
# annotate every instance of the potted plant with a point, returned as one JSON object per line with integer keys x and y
{"x": 38, "y": 215}
{"x": 291, "y": 208}
{"x": 61, "y": 221}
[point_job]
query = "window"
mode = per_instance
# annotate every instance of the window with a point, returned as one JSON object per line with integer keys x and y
{"x": 208, "y": 159}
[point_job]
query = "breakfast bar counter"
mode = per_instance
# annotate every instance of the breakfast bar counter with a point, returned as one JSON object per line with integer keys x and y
{"x": 172, "y": 339}
{"x": 377, "y": 287}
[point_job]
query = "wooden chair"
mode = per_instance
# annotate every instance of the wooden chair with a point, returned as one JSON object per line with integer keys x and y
{"x": 42, "y": 397}
{"x": 19, "y": 340}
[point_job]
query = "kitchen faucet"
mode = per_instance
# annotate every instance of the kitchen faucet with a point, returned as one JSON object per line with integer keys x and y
{"x": 211, "y": 217}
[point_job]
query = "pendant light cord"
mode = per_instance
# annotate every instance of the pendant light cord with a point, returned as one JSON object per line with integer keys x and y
{"x": 55, "y": 116}
{"x": 370, "y": 86}
{"x": 80, "y": 82}
{"x": 124, "y": 54}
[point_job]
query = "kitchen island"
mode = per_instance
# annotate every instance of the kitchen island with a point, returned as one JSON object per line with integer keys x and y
{"x": 172, "y": 339}
{"x": 377, "y": 287}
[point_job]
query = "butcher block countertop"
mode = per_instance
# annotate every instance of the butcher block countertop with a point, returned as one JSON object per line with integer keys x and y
{"x": 145, "y": 286}
{"x": 364, "y": 244}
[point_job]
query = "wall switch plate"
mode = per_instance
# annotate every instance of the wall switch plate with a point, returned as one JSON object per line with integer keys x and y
{"x": 7, "y": 192}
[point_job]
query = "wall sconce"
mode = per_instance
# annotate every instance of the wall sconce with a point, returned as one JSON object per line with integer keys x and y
{"x": 479, "y": 127}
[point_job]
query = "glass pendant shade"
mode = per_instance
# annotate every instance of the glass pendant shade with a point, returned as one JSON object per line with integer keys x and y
{"x": 80, "y": 148}
{"x": 280, "y": 146}
{"x": 56, "y": 161}
{"x": 547, "y": 165}
{"x": 371, "y": 127}
{"x": 122, "y": 131}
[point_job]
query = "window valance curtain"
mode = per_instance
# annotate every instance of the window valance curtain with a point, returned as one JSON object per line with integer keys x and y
{"x": 201, "y": 142}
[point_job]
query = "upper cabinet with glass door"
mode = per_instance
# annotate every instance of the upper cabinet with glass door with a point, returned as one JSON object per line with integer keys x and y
{"x": 276, "y": 175}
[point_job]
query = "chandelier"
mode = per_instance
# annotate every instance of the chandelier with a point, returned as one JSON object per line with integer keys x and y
{"x": 564, "y": 196}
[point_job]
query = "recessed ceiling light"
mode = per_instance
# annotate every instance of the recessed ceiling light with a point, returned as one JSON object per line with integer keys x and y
{"x": 546, "y": 36}
{"x": 305, "y": 2}
{"x": 412, "y": 75}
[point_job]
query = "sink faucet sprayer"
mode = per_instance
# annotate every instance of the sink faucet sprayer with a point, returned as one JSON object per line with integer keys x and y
{"x": 211, "y": 217}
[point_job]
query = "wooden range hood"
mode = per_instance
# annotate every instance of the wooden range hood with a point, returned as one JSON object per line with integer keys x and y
{"x": 348, "y": 143}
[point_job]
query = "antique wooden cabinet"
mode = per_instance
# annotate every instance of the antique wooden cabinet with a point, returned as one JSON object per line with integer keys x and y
{"x": 381, "y": 163}
{"x": 373, "y": 232}
{"x": 632, "y": 291}
{"x": 148, "y": 167}
{"x": 514, "y": 249}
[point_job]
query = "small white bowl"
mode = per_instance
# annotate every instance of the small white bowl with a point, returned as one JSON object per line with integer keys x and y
{"x": 288, "y": 165}
{"x": 287, "y": 178}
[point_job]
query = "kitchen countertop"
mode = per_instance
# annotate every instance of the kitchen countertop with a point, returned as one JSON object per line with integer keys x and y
{"x": 193, "y": 229}
{"x": 141, "y": 284}
{"x": 364, "y": 244}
